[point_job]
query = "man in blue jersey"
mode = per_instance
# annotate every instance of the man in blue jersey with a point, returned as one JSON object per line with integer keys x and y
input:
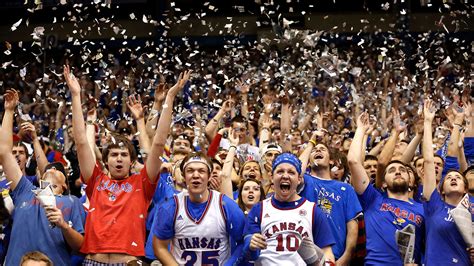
{"x": 384, "y": 212}
{"x": 336, "y": 199}
{"x": 202, "y": 225}
{"x": 276, "y": 227}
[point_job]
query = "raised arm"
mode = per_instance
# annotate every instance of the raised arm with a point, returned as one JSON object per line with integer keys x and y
{"x": 212, "y": 126}
{"x": 411, "y": 148}
{"x": 244, "y": 90}
{"x": 387, "y": 151}
{"x": 359, "y": 179}
{"x": 84, "y": 152}
{"x": 285, "y": 123}
{"x": 11, "y": 99}
{"x": 160, "y": 95}
{"x": 226, "y": 174}
{"x": 7, "y": 160}
{"x": 153, "y": 162}
{"x": 429, "y": 180}
{"x": 40, "y": 157}
{"x": 453, "y": 147}
{"x": 135, "y": 106}
{"x": 90, "y": 130}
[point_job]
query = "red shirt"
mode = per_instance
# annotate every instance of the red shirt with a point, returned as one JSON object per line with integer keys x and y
{"x": 117, "y": 213}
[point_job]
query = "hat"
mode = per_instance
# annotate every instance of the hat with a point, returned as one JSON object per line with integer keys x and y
{"x": 287, "y": 158}
{"x": 270, "y": 147}
{"x": 58, "y": 166}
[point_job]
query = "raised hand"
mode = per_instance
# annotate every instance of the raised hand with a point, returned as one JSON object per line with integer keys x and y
{"x": 398, "y": 124}
{"x": 267, "y": 122}
{"x": 467, "y": 109}
{"x": 458, "y": 111}
{"x": 71, "y": 81}
{"x": 363, "y": 121}
{"x": 233, "y": 138}
{"x": 228, "y": 105}
{"x": 244, "y": 87}
{"x": 267, "y": 100}
{"x": 318, "y": 135}
{"x": 160, "y": 92}
{"x": 429, "y": 110}
{"x": 135, "y": 106}
{"x": 30, "y": 129}
{"x": 10, "y": 99}
{"x": 182, "y": 80}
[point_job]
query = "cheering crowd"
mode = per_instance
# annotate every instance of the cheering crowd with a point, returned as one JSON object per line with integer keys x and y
{"x": 265, "y": 156}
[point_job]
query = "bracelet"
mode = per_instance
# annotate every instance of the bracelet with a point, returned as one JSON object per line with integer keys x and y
{"x": 265, "y": 128}
{"x": 215, "y": 120}
{"x": 90, "y": 122}
{"x": 312, "y": 141}
{"x": 232, "y": 146}
{"x": 459, "y": 125}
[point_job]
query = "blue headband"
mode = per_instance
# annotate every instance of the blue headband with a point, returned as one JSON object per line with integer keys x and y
{"x": 287, "y": 158}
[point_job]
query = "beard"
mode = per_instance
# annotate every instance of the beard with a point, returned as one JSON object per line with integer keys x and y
{"x": 398, "y": 186}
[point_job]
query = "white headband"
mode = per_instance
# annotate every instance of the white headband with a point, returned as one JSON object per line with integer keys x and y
{"x": 197, "y": 159}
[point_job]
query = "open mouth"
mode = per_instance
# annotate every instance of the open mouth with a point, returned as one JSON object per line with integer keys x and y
{"x": 196, "y": 183}
{"x": 250, "y": 197}
{"x": 454, "y": 183}
{"x": 119, "y": 167}
{"x": 318, "y": 156}
{"x": 285, "y": 187}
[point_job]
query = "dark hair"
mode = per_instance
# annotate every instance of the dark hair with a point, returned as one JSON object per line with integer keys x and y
{"x": 246, "y": 162}
{"x": 441, "y": 183}
{"x": 182, "y": 136}
{"x": 36, "y": 256}
{"x": 441, "y": 157}
{"x": 240, "y": 201}
{"x": 21, "y": 144}
{"x": 392, "y": 162}
{"x": 119, "y": 143}
{"x": 215, "y": 161}
{"x": 341, "y": 159}
{"x": 370, "y": 158}
{"x": 195, "y": 154}
{"x": 238, "y": 119}
{"x": 470, "y": 168}
{"x": 417, "y": 159}
{"x": 416, "y": 181}
{"x": 330, "y": 151}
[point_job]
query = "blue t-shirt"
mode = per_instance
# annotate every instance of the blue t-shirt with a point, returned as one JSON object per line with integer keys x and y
{"x": 164, "y": 191}
{"x": 31, "y": 229}
{"x": 235, "y": 220}
{"x": 450, "y": 163}
{"x": 469, "y": 149}
{"x": 383, "y": 216}
{"x": 442, "y": 235}
{"x": 322, "y": 235}
{"x": 338, "y": 201}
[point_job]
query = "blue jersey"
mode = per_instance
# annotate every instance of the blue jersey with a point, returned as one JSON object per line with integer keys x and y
{"x": 235, "y": 220}
{"x": 321, "y": 231}
{"x": 383, "y": 216}
{"x": 31, "y": 229}
{"x": 164, "y": 191}
{"x": 444, "y": 243}
{"x": 338, "y": 201}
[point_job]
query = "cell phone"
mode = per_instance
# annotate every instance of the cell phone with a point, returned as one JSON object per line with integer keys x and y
{"x": 44, "y": 184}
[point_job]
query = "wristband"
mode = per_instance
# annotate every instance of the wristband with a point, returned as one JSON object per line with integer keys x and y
{"x": 232, "y": 146}
{"x": 90, "y": 122}
{"x": 265, "y": 128}
{"x": 312, "y": 141}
